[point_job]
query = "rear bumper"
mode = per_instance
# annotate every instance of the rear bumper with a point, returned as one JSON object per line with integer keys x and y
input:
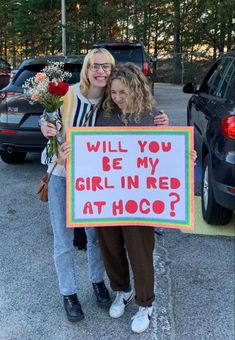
{"x": 23, "y": 141}
{"x": 22, "y": 148}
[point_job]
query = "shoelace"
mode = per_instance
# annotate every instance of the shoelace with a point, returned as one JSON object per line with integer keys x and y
{"x": 100, "y": 288}
{"x": 140, "y": 314}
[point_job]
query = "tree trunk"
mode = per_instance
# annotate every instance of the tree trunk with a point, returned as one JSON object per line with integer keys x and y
{"x": 177, "y": 58}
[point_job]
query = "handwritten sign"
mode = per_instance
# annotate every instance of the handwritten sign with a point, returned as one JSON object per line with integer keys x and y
{"x": 130, "y": 176}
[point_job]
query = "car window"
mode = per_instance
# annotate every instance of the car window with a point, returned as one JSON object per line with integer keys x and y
{"x": 75, "y": 70}
{"x": 124, "y": 53}
{"x": 215, "y": 84}
{"x": 24, "y": 74}
{"x": 228, "y": 86}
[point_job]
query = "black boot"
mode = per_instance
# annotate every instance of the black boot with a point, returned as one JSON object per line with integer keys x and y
{"x": 102, "y": 294}
{"x": 73, "y": 308}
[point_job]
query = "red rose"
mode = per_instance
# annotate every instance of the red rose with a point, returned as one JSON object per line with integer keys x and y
{"x": 60, "y": 88}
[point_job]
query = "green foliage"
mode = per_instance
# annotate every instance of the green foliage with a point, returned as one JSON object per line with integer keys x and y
{"x": 33, "y": 27}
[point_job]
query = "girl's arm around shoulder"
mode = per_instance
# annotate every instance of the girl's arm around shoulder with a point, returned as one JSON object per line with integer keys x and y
{"x": 155, "y": 117}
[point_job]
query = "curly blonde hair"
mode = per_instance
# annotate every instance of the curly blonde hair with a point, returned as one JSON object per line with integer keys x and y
{"x": 139, "y": 96}
{"x": 89, "y": 59}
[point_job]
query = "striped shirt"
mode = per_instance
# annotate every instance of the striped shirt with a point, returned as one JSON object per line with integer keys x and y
{"x": 74, "y": 112}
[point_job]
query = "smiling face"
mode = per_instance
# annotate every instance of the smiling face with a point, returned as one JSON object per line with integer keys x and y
{"x": 98, "y": 75}
{"x": 119, "y": 94}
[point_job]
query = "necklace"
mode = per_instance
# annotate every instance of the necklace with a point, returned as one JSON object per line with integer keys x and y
{"x": 95, "y": 101}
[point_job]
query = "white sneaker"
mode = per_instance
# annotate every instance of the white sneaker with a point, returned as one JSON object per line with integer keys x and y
{"x": 121, "y": 301}
{"x": 141, "y": 319}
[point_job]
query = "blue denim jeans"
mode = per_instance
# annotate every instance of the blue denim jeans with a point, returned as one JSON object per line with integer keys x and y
{"x": 63, "y": 241}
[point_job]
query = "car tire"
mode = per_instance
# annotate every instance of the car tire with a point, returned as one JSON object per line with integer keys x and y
{"x": 212, "y": 212}
{"x": 13, "y": 157}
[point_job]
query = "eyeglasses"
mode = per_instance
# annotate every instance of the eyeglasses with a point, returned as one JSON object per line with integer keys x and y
{"x": 106, "y": 67}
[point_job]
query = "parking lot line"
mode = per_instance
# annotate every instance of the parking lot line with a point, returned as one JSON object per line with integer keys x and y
{"x": 201, "y": 227}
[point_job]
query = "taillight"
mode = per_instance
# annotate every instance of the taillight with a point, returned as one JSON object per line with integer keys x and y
{"x": 146, "y": 69}
{"x": 12, "y": 94}
{"x": 228, "y": 127}
{"x": 8, "y": 132}
{"x": 231, "y": 189}
{"x": 9, "y": 94}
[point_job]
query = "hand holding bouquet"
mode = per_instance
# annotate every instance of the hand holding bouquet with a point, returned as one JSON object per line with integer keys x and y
{"x": 47, "y": 88}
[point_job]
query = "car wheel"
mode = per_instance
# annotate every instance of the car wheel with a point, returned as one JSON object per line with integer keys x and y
{"x": 212, "y": 212}
{"x": 13, "y": 157}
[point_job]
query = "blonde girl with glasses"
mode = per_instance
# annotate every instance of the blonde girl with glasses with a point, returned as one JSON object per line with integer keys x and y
{"x": 79, "y": 108}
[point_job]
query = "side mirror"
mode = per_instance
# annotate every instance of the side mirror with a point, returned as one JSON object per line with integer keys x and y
{"x": 190, "y": 88}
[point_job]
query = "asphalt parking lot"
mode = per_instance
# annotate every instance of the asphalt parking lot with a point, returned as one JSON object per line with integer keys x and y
{"x": 194, "y": 273}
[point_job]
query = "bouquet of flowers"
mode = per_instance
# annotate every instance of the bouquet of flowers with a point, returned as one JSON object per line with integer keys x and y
{"x": 47, "y": 88}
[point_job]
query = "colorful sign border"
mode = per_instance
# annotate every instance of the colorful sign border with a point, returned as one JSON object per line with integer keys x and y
{"x": 187, "y": 224}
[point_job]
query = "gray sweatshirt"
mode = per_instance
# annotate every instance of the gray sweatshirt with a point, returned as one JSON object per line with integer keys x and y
{"x": 146, "y": 119}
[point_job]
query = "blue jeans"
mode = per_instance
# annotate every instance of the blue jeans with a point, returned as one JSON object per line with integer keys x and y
{"x": 63, "y": 241}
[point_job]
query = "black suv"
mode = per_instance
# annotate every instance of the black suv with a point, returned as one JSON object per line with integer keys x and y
{"x": 19, "y": 130}
{"x": 211, "y": 110}
{"x": 125, "y": 51}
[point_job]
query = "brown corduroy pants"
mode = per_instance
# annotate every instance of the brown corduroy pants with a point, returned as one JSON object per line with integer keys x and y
{"x": 139, "y": 243}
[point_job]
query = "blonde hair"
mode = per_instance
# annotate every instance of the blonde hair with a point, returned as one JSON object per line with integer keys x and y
{"x": 89, "y": 59}
{"x": 139, "y": 96}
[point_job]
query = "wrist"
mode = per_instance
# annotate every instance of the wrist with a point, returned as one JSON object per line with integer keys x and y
{"x": 60, "y": 161}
